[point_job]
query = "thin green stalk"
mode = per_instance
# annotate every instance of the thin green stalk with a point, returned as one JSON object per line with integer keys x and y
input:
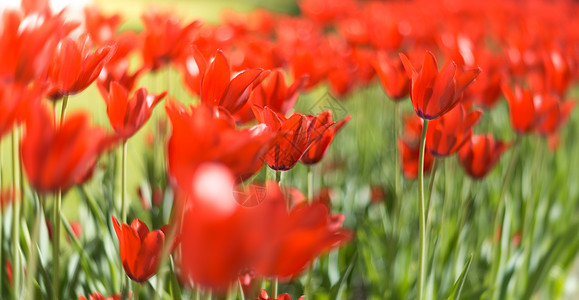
{"x": 56, "y": 247}
{"x": 63, "y": 109}
{"x": 136, "y": 291}
{"x": 278, "y": 176}
{"x": 124, "y": 183}
{"x": 422, "y": 212}
{"x": 397, "y": 178}
{"x": 17, "y": 267}
{"x": 310, "y": 192}
{"x": 310, "y": 186}
{"x": 32, "y": 260}
{"x": 430, "y": 188}
{"x": 240, "y": 293}
{"x": 274, "y": 288}
{"x": 499, "y": 258}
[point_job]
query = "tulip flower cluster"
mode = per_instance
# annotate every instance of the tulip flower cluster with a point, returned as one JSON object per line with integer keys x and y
{"x": 221, "y": 107}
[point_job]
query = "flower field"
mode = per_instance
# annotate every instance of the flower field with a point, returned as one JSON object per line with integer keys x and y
{"x": 312, "y": 150}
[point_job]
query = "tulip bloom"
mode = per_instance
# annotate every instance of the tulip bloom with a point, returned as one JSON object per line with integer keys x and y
{"x": 447, "y": 134}
{"x": 16, "y": 101}
{"x": 409, "y": 147}
{"x": 74, "y": 67}
{"x": 128, "y": 115}
{"x": 219, "y": 89}
{"x": 274, "y": 93}
{"x": 26, "y": 50}
{"x": 221, "y": 239}
{"x": 392, "y": 76}
{"x": 264, "y": 296}
{"x": 208, "y": 134}
{"x": 295, "y": 135}
{"x": 480, "y": 154}
{"x": 320, "y": 146}
{"x": 435, "y": 93}
{"x": 140, "y": 248}
{"x": 57, "y": 157}
{"x": 164, "y": 38}
{"x": 99, "y": 296}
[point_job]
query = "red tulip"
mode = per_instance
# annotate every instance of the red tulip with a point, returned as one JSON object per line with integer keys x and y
{"x": 480, "y": 154}
{"x": 295, "y": 135}
{"x": 392, "y": 76}
{"x": 26, "y": 51}
{"x": 447, "y": 134}
{"x": 140, "y": 248}
{"x": 264, "y": 296}
{"x": 432, "y": 93}
{"x": 320, "y": 146}
{"x": 57, "y": 157}
{"x": 208, "y": 134}
{"x": 555, "y": 113}
{"x": 219, "y": 89}
{"x": 557, "y": 71}
{"x": 165, "y": 39}
{"x": 74, "y": 67}
{"x": 98, "y": 296}
{"x": 16, "y": 101}
{"x": 99, "y": 27}
{"x": 128, "y": 115}
{"x": 273, "y": 93}
{"x": 221, "y": 238}
{"x": 409, "y": 147}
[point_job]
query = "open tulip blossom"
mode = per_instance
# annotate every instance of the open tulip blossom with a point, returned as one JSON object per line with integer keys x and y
{"x": 285, "y": 162}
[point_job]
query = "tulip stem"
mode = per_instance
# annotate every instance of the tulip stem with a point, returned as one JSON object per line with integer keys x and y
{"x": 56, "y": 246}
{"x": 124, "y": 182}
{"x": 274, "y": 288}
{"x": 32, "y": 260}
{"x": 396, "y": 152}
{"x": 63, "y": 109}
{"x": 15, "y": 218}
{"x": 499, "y": 257}
{"x": 422, "y": 219}
{"x": 310, "y": 186}
{"x": 240, "y": 293}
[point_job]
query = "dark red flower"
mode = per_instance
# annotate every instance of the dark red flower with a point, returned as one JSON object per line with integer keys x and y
{"x": 26, "y": 49}
{"x": 98, "y": 296}
{"x": 16, "y": 101}
{"x": 74, "y": 67}
{"x": 208, "y": 134}
{"x": 392, "y": 76}
{"x": 222, "y": 239}
{"x": 480, "y": 154}
{"x": 294, "y": 136}
{"x": 274, "y": 93}
{"x": 140, "y": 248}
{"x": 219, "y": 89}
{"x": 164, "y": 38}
{"x": 409, "y": 148}
{"x": 320, "y": 146}
{"x": 447, "y": 134}
{"x": 435, "y": 93}
{"x": 264, "y": 296}
{"x": 57, "y": 157}
{"x": 128, "y": 115}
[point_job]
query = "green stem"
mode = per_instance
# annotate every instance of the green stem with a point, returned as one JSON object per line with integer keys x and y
{"x": 274, "y": 288}
{"x": 396, "y": 153}
{"x": 63, "y": 110}
{"x": 310, "y": 186}
{"x": 499, "y": 257}
{"x": 56, "y": 247}
{"x": 431, "y": 187}
{"x": 240, "y": 293}
{"x": 124, "y": 183}
{"x": 422, "y": 211}
{"x": 15, "y": 219}
{"x": 32, "y": 260}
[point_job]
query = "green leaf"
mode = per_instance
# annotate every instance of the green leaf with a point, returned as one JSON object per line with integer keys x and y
{"x": 459, "y": 284}
{"x": 334, "y": 292}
